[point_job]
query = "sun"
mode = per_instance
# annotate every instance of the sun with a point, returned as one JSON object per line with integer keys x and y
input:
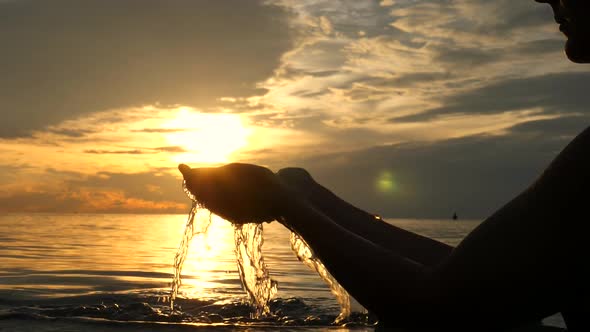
{"x": 207, "y": 138}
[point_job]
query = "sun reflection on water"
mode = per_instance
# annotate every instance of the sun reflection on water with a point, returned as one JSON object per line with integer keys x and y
{"x": 210, "y": 255}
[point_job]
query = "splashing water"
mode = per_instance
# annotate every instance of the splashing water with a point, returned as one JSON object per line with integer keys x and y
{"x": 190, "y": 230}
{"x": 254, "y": 274}
{"x": 305, "y": 254}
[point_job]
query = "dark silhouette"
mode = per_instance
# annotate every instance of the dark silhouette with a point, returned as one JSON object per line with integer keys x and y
{"x": 525, "y": 262}
{"x": 455, "y": 217}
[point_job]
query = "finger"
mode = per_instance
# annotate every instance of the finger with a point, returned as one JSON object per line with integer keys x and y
{"x": 185, "y": 170}
{"x": 194, "y": 182}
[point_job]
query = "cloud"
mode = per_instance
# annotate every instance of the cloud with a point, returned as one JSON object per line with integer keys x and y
{"x": 416, "y": 59}
{"x": 554, "y": 128}
{"x": 467, "y": 20}
{"x": 472, "y": 175}
{"x": 146, "y": 192}
{"x": 158, "y": 130}
{"x": 115, "y": 151}
{"x": 83, "y": 201}
{"x": 539, "y": 47}
{"x": 169, "y": 149}
{"x": 503, "y": 17}
{"x": 66, "y": 58}
{"x": 461, "y": 103}
{"x": 464, "y": 56}
{"x": 555, "y": 93}
{"x": 72, "y": 133}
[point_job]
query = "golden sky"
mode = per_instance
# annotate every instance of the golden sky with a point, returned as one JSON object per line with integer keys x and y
{"x": 437, "y": 100}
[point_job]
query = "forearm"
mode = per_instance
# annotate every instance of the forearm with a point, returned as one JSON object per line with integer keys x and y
{"x": 419, "y": 248}
{"x": 416, "y": 247}
{"x": 379, "y": 279}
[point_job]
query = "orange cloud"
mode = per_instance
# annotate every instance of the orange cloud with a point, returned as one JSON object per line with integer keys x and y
{"x": 117, "y": 201}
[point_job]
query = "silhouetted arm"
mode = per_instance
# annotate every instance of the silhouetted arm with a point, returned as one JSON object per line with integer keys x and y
{"x": 419, "y": 248}
{"x": 382, "y": 281}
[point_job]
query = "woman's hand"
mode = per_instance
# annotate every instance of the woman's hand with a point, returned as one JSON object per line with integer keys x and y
{"x": 240, "y": 193}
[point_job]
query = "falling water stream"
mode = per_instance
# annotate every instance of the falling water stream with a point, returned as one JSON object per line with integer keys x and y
{"x": 254, "y": 274}
{"x": 306, "y": 255}
{"x": 190, "y": 230}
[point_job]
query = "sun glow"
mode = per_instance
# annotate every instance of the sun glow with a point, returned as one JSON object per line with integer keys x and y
{"x": 206, "y": 137}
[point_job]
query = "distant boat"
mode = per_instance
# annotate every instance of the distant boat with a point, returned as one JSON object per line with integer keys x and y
{"x": 455, "y": 216}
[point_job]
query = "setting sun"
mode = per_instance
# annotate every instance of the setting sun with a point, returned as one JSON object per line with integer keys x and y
{"x": 206, "y": 137}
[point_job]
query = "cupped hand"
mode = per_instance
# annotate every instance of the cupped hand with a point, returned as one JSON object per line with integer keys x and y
{"x": 240, "y": 193}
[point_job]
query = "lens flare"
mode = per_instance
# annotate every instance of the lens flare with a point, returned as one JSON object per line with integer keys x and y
{"x": 385, "y": 183}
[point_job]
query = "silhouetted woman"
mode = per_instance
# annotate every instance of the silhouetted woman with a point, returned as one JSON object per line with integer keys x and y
{"x": 527, "y": 261}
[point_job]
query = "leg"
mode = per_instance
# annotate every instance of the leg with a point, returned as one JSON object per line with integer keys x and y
{"x": 421, "y": 249}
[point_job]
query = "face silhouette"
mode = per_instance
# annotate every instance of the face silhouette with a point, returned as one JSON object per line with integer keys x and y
{"x": 573, "y": 17}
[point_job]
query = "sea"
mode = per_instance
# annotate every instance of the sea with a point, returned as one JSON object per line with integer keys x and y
{"x": 113, "y": 272}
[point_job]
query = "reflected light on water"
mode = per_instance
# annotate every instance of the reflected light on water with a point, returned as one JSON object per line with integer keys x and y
{"x": 53, "y": 256}
{"x": 82, "y": 254}
{"x": 117, "y": 267}
{"x": 210, "y": 254}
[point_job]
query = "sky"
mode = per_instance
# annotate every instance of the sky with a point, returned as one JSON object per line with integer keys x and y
{"x": 405, "y": 108}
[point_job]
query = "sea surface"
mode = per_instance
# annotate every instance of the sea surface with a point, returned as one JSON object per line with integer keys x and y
{"x": 78, "y": 272}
